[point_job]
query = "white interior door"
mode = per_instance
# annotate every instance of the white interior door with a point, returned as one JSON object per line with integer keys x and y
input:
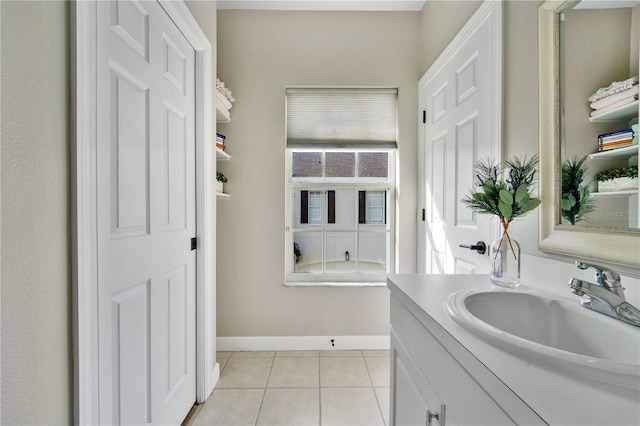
{"x": 461, "y": 97}
{"x": 146, "y": 215}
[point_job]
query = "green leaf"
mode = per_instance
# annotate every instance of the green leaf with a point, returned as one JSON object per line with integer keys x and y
{"x": 530, "y": 204}
{"x": 506, "y": 197}
{"x": 489, "y": 188}
{"x": 480, "y": 197}
{"x": 505, "y": 209}
{"x": 566, "y": 204}
{"x": 572, "y": 200}
{"x": 522, "y": 193}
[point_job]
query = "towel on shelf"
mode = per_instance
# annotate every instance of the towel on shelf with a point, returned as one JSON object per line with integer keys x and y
{"x": 601, "y": 103}
{"x": 224, "y": 91}
{"x": 621, "y": 102}
{"x": 615, "y": 87}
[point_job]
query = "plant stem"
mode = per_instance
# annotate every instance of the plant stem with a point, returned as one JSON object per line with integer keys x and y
{"x": 505, "y": 226}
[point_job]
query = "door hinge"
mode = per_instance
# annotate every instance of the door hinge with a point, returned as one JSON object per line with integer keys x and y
{"x": 424, "y": 116}
{"x": 194, "y": 243}
{"x": 423, "y": 215}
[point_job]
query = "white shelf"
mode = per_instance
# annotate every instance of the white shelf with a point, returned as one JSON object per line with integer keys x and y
{"x": 625, "y": 112}
{"x": 221, "y": 155}
{"x": 223, "y": 196}
{"x": 222, "y": 115}
{"x": 615, "y": 194}
{"x": 625, "y": 152}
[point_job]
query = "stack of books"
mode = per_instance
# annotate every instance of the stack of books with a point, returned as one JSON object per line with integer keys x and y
{"x": 615, "y": 140}
{"x": 221, "y": 141}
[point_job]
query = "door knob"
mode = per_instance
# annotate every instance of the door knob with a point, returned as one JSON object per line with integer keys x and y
{"x": 480, "y": 247}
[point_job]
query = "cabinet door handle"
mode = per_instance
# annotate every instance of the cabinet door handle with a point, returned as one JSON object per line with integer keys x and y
{"x": 440, "y": 416}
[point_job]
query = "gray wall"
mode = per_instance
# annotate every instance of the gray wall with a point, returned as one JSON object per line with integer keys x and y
{"x": 259, "y": 54}
{"x": 36, "y": 289}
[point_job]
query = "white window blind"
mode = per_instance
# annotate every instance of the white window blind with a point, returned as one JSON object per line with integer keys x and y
{"x": 342, "y": 117}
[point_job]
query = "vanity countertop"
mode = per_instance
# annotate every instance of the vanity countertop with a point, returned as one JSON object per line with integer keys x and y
{"x": 556, "y": 397}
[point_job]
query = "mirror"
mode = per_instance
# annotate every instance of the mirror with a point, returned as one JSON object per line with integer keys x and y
{"x": 571, "y": 70}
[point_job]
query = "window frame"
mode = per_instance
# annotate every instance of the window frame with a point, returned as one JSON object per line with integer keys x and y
{"x": 325, "y": 184}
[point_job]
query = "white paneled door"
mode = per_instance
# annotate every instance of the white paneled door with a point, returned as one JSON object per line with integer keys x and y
{"x": 146, "y": 215}
{"x": 461, "y": 99}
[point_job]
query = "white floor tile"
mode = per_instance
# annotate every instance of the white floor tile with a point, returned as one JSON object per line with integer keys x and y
{"x": 253, "y": 354}
{"x": 349, "y": 406}
{"x": 231, "y": 407}
{"x": 382, "y": 394}
{"x": 290, "y": 407}
{"x": 245, "y": 373}
{"x": 377, "y": 354}
{"x": 343, "y": 372}
{"x": 294, "y": 373}
{"x": 340, "y": 353}
{"x": 290, "y": 354}
{"x": 379, "y": 371}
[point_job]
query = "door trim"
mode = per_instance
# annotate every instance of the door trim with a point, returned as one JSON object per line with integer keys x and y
{"x": 84, "y": 207}
{"x": 493, "y": 10}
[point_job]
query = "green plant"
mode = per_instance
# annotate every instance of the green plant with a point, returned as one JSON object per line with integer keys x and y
{"x": 506, "y": 197}
{"x": 576, "y": 198}
{"x": 220, "y": 177}
{"x": 296, "y": 252}
{"x": 629, "y": 172}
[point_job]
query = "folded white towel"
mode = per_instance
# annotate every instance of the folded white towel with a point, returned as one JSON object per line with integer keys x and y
{"x": 621, "y": 102}
{"x": 601, "y": 103}
{"x": 615, "y": 87}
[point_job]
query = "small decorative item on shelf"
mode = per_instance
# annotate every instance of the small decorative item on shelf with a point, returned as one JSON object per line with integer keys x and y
{"x": 220, "y": 181}
{"x": 506, "y": 197}
{"x": 221, "y": 141}
{"x": 576, "y": 197}
{"x": 619, "y": 139}
{"x": 622, "y": 179}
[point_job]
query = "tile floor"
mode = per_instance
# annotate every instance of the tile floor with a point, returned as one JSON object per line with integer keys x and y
{"x": 299, "y": 388}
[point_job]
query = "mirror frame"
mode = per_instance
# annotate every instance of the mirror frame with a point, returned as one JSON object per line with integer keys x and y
{"x": 602, "y": 244}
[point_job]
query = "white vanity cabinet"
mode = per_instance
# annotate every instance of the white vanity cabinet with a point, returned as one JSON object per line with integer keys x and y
{"x": 436, "y": 381}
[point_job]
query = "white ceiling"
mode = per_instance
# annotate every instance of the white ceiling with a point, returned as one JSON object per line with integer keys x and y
{"x": 368, "y": 5}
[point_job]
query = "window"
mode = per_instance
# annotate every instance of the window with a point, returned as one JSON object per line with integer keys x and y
{"x": 338, "y": 221}
{"x": 340, "y": 168}
{"x": 340, "y": 185}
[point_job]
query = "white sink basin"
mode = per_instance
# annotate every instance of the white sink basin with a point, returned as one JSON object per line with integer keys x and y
{"x": 559, "y": 333}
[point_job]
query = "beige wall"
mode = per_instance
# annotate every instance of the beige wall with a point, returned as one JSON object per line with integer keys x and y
{"x": 36, "y": 290}
{"x": 440, "y": 21}
{"x": 259, "y": 54}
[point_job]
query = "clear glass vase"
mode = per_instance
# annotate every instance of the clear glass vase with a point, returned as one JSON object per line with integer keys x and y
{"x": 505, "y": 262}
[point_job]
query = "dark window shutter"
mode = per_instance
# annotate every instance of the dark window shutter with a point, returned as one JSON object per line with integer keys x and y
{"x": 304, "y": 206}
{"x": 384, "y": 206}
{"x": 331, "y": 206}
{"x": 362, "y": 206}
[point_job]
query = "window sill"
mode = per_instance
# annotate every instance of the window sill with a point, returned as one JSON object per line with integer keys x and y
{"x": 334, "y": 284}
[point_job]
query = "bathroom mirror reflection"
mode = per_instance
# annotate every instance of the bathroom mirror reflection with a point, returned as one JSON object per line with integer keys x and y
{"x": 598, "y": 88}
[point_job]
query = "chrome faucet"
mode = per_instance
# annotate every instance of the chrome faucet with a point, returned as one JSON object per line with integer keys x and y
{"x": 606, "y": 295}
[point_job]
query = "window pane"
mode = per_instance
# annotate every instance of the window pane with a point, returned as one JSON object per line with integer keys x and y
{"x": 340, "y": 164}
{"x": 373, "y": 252}
{"x": 373, "y": 164}
{"x": 307, "y": 252}
{"x": 375, "y": 207}
{"x": 340, "y": 252}
{"x": 306, "y": 164}
{"x": 315, "y": 207}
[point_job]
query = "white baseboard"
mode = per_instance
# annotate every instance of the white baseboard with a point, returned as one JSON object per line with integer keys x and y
{"x": 301, "y": 343}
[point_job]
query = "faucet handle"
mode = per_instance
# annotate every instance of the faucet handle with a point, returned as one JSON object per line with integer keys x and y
{"x": 603, "y": 276}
